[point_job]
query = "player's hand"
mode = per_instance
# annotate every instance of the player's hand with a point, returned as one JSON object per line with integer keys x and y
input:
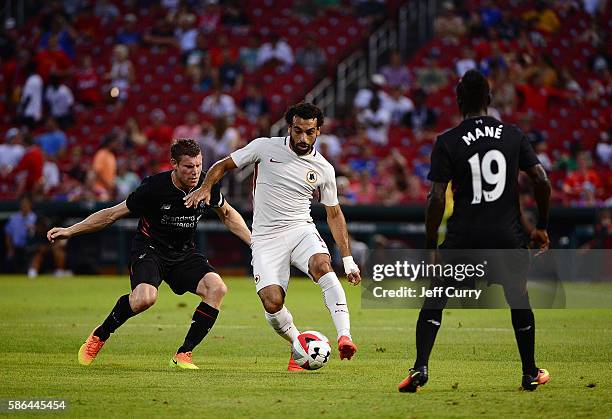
{"x": 58, "y": 233}
{"x": 194, "y": 198}
{"x": 540, "y": 240}
{"x": 352, "y": 270}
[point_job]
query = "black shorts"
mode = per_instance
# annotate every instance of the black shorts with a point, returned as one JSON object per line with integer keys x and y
{"x": 182, "y": 271}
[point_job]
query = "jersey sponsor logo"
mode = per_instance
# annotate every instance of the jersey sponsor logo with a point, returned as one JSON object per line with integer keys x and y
{"x": 312, "y": 176}
{"x": 274, "y": 161}
{"x": 166, "y": 206}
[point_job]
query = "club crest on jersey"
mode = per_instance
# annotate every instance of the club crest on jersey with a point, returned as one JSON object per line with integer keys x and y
{"x": 312, "y": 176}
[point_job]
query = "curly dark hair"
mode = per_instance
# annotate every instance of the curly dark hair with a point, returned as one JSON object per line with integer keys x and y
{"x": 473, "y": 94}
{"x": 184, "y": 147}
{"x": 304, "y": 110}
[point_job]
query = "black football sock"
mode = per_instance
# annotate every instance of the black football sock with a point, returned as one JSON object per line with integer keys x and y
{"x": 427, "y": 328}
{"x": 203, "y": 319}
{"x": 523, "y": 323}
{"x": 119, "y": 315}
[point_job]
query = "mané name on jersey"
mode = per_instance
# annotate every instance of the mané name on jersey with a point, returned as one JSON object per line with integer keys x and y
{"x": 164, "y": 219}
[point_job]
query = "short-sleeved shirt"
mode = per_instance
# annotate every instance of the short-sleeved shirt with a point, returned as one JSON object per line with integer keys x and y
{"x": 284, "y": 184}
{"x": 20, "y": 227}
{"x": 482, "y": 157}
{"x": 164, "y": 219}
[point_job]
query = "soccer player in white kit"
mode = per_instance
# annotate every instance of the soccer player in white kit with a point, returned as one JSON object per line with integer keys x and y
{"x": 288, "y": 171}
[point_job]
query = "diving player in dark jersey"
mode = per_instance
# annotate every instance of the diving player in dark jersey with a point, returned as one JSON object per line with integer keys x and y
{"x": 163, "y": 249}
{"x": 482, "y": 158}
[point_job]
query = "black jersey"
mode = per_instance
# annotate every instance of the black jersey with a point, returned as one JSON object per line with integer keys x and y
{"x": 164, "y": 219}
{"x": 482, "y": 157}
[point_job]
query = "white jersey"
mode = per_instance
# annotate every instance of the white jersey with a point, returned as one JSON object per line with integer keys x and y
{"x": 284, "y": 184}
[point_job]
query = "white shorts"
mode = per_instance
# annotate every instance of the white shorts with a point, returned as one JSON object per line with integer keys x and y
{"x": 273, "y": 256}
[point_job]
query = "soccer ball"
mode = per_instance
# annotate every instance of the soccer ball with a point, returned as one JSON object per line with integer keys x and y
{"x": 311, "y": 350}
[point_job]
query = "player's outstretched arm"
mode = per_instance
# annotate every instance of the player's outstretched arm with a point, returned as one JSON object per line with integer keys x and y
{"x": 436, "y": 202}
{"x": 541, "y": 191}
{"x": 337, "y": 225}
{"x": 234, "y": 222}
{"x": 96, "y": 221}
{"x": 213, "y": 176}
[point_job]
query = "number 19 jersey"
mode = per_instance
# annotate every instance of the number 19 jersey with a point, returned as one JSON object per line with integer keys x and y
{"x": 482, "y": 158}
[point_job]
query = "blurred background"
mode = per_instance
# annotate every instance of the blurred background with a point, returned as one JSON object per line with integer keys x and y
{"x": 95, "y": 91}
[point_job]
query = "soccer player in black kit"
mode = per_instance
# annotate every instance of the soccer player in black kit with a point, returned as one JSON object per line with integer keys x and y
{"x": 482, "y": 158}
{"x": 163, "y": 249}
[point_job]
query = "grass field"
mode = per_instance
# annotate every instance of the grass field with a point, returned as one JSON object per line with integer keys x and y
{"x": 474, "y": 368}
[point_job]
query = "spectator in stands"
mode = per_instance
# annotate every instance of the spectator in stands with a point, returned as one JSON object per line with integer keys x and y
{"x": 422, "y": 117}
{"x": 504, "y": 92}
{"x": 159, "y": 132}
{"x": 61, "y": 102}
{"x": 17, "y": 232}
{"x": 534, "y": 96}
{"x": 221, "y": 140}
{"x": 543, "y": 18}
{"x": 583, "y": 186}
{"x": 603, "y": 149}
{"x": 11, "y": 151}
{"x": 490, "y": 16}
{"x": 53, "y": 59}
{"x": 541, "y": 151}
{"x": 432, "y": 77}
{"x": 51, "y": 177}
{"x": 346, "y": 196}
{"x": 103, "y": 173}
{"x": 30, "y": 108}
{"x": 467, "y": 62}
{"x": 248, "y": 53}
{"x": 53, "y": 141}
{"x": 377, "y": 120}
{"x": 121, "y": 74}
{"x": 396, "y": 73}
{"x": 494, "y": 61}
{"x": 28, "y": 172}
{"x": 329, "y": 143}
{"x": 126, "y": 181}
{"x": 106, "y": 11}
{"x": 397, "y": 105}
{"x": 87, "y": 83}
{"x": 129, "y": 35}
{"x": 535, "y": 136}
{"x": 235, "y": 18}
{"x": 40, "y": 248}
{"x": 161, "y": 35}
{"x": 133, "y": 135}
{"x": 254, "y": 104}
{"x": 219, "y": 50}
{"x": 364, "y": 96}
{"x": 230, "y": 72}
{"x": 186, "y": 35}
{"x": 275, "y": 52}
{"x": 449, "y": 25}
{"x": 363, "y": 188}
{"x": 190, "y": 129}
{"x": 210, "y": 19}
{"x": 310, "y": 56}
{"x": 601, "y": 60}
{"x": 77, "y": 166}
{"x": 62, "y": 33}
{"x": 218, "y": 104}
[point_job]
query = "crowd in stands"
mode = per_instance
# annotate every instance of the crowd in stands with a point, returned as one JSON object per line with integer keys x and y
{"x": 74, "y": 130}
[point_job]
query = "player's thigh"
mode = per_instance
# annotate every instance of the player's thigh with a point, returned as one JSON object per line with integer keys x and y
{"x": 308, "y": 244}
{"x": 145, "y": 268}
{"x": 271, "y": 263}
{"x": 185, "y": 275}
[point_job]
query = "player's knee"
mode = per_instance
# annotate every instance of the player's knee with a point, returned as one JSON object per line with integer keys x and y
{"x": 143, "y": 300}
{"x": 320, "y": 267}
{"x": 218, "y": 289}
{"x": 273, "y": 304}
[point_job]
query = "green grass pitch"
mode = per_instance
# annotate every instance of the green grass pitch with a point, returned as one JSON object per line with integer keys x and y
{"x": 475, "y": 368}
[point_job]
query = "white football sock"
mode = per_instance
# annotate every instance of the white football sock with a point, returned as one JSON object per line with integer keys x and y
{"x": 282, "y": 323}
{"x": 335, "y": 300}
